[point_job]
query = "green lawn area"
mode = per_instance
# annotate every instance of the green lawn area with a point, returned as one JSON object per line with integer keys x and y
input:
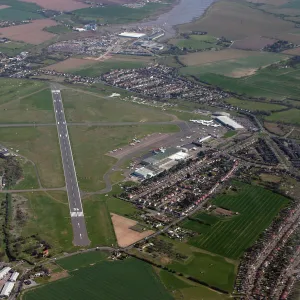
{"x": 39, "y": 144}
{"x": 50, "y": 219}
{"x": 229, "y": 134}
{"x": 127, "y": 280}
{"x": 90, "y": 144}
{"x": 197, "y": 42}
{"x": 86, "y": 107}
{"x": 254, "y": 105}
{"x": 269, "y": 82}
{"x": 231, "y": 236}
{"x": 98, "y": 221}
{"x": 117, "y": 14}
{"x": 81, "y": 260}
{"x": 13, "y": 48}
{"x": 29, "y": 180}
{"x": 212, "y": 269}
{"x": 291, "y": 116}
{"x": 58, "y": 29}
{"x": 233, "y": 67}
{"x": 95, "y": 70}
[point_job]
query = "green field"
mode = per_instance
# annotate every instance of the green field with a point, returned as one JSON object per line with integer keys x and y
{"x": 197, "y": 42}
{"x": 255, "y": 105}
{"x": 81, "y": 260}
{"x": 39, "y": 144}
{"x": 98, "y": 222}
{"x": 87, "y": 107}
{"x": 291, "y": 116}
{"x": 13, "y": 48}
{"x": 107, "y": 66}
{"x": 30, "y": 178}
{"x": 229, "y": 134}
{"x": 50, "y": 219}
{"x": 117, "y": 14}
{"x": 19, "y": 11}
{"x": 234, "y": 67}
{"x": 127, "y": 280}
{"x": 91, "y": 143}
{"x": 214, "y": 270}
{"x": 58, "y": 29}
{"x": 231, "y": 236}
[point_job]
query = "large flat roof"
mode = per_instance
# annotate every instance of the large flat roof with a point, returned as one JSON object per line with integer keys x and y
{"x": 228, "y": 121}
{"x": 132, "y": 34}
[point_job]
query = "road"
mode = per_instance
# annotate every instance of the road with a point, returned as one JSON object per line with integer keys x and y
{"x": 80, "y": 236}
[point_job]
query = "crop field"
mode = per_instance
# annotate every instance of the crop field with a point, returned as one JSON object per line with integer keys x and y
{"x": 66, "y": 5}
{"x": 291, "y": 116}
{"x": 35, "y": 108}
{"x": 253, "y": 43}
{"x": 98, "y": 222}
{"x": 254, "y": 105}
{"x": 128, "y": 279}
{"x": 97, "y": 141}
{"x": 268, "y": 82}
{"x": 241, "y": 21}
{"x": 13, "y": 48}
{"x": 239, "y": 67}
{"x": 31, "y": 33}
{"x": 87, "y": 107}
{"x": 19, "y": 11}
{"x": 39, "y": 144}
{"x": 196, "y": 42}
{"x": 50, "y": 219}
{"x": 58, "y": 29}
{"x": 69, "y": 64}
{"x": 214, "y": 270}
{"x": 231, "y": 236}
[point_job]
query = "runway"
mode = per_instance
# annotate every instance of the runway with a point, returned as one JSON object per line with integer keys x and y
{"x": 80, "y": 236}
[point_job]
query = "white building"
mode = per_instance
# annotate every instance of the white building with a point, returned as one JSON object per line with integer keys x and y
{"x": 143, "y": 173}
{"x": 4, "y": 272}
{"x": 7, "y": 288}
{"x": 14, "y": 277}
{"x": 226, "y": 121}
{"x": 135, "y": 35}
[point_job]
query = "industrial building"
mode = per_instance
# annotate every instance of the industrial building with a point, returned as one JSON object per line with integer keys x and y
{"x": 6, "y": 290}
{"x": 228, "y": 122}
{"x": 14, "y": 277}
{"x": 134, "y": 35}
{"x": 4, "y": 272}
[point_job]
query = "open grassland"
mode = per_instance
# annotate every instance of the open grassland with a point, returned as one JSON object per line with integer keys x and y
{"x": 31, "y": 33}
{"x": 83, "y": 107}
{"x": 40, "y": 145}
{"x": 90, "y": 144}
{"x": 82, "y": 260}
{"x": 98, "y": 222}
{"x": 50, "y": 219}
{"x": 126, "y": 280}
{"x": 58, "y": 29}
{"x": 187, "y": 290}
{"x": 19, "y": 11}
{"x": 117, "y": 14}
{"x": 235, "y": 67}
{"x": 255, "y": 105}
{"x": 231, "y": 236}
{"x": 13, "y": 48}
{"x": 196, "y": 42}
{"x": 29, "y": 180}
{"x": 240, "y": 21}
{"x": 214, "y": 270}
{"x": 291, "y": 116}
{"x": 35, "y": 108}
{"x": 70, "y": 63}
{"x": 269, "y": 82}
{"x": 95, "y": 68}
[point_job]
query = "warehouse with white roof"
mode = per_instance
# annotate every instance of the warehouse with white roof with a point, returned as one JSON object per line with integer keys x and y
{"x": 14, "y": 277}
{"x": 226, "y": 121}
{"x": 135, "y": 35}
{"x": 4, "y": 272}
{"x": 7, "y": 288}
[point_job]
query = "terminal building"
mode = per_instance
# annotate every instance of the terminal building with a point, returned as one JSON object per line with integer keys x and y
{"x": 228, "y": 122}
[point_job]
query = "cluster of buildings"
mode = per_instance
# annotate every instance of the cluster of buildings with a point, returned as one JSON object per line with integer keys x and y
{"x": 160, "y": 81}
{"x": 10, "y": 277}
{"x": 87, "y": 27}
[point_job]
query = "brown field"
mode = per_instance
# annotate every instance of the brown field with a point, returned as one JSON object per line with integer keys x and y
{"x": 4, "y": 6}
{"x": 70, "y": 63}
{"x": 295, "y": 51}
{"x": 237, "y": 20}
{"x": 60, "y": 5}
{"x": 238, "y": 73}
{"x": 126, "y": 236}
{"x": 201, "y": 58}
{"x": 31, "y": 33}
{"x": 253, "y": 43}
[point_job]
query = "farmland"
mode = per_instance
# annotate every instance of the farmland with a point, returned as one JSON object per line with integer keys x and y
{"x": 85, "y": 107}
{"x": 231, "y": 236}
{"x": 31, "y": 33}
{"x": 290, "y": 116}
{"x": 92, "y": 167}
{"x": 40, "y": 145}
{"x": 14, "y": 48}
{"x": 126, "y": 280}
{"x": 66, "y": 5}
